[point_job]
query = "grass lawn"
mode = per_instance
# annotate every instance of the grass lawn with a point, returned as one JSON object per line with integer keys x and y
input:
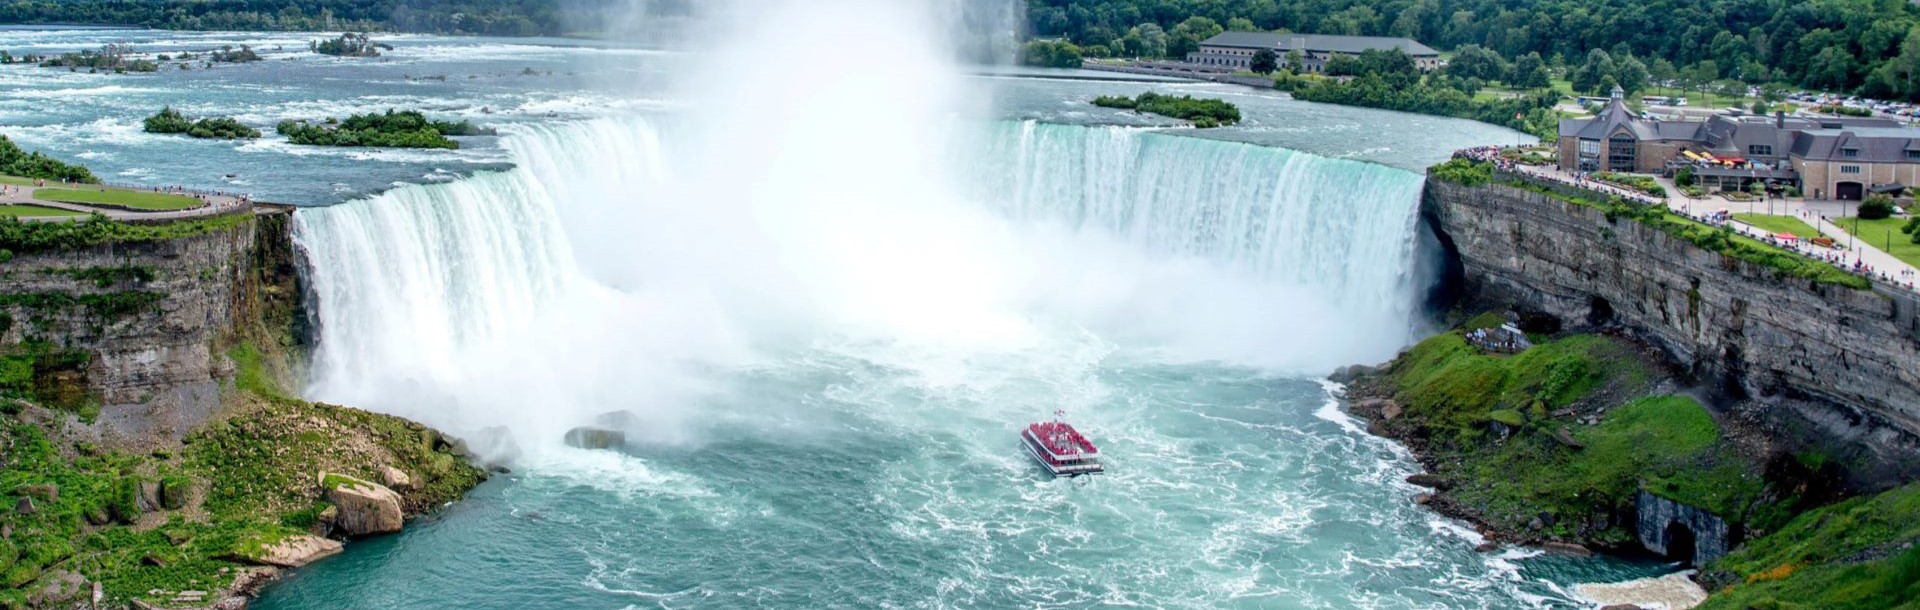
{"x": 1877, "y": 233}
{"x": 16, "y": 181}
{"x": 1779, "y": 224}
{"x": 139, "y": 200}
{"x": 17, "y": 211}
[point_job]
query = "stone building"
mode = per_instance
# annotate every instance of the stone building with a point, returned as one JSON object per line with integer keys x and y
{"x": 1825, "y": 157}
{"x": 1235, "y": 50}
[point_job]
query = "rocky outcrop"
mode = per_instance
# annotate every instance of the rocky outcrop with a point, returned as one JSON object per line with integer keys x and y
{"x": 365, "y": 508}
{"x": 1680, "y": 532}
{"x": 1836, "y": 357}
{"x": 145, "y": 317}
{"x": 296, "y": 551}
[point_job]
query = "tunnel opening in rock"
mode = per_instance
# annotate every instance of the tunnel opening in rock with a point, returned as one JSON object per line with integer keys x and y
{"x": 1681, "y": 543}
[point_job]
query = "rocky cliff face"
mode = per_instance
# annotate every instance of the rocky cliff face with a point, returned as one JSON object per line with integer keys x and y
{"x": 1680, "y": 532}
{"x": 145, "y": 323}
{"x": 1839, "y": 359}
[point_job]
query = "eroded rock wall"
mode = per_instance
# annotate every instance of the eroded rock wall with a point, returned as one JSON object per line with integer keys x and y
{"x": 1846, "y": 360}
{"x": 150, "y": 317}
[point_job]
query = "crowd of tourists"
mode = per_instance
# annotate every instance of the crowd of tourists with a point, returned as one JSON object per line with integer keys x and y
{"x": 1583, "y": 180}
{"x": 1841, "y": 258}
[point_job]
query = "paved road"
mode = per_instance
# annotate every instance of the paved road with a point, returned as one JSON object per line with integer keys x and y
{"x": 213, "y": 205}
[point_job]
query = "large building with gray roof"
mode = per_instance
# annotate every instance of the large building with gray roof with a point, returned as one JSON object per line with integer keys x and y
{"x": 1235, "y": 50}
{"x": 1825, "y": 157}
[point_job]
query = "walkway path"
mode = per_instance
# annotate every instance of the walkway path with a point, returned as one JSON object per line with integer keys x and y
{"x": 1848, "y": 253}
{"x": 211, "y": 205}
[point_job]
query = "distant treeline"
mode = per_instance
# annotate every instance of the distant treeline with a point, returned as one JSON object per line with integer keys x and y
{"x": 393, "y": 129}
{"x": 1868, "y": 46}
{"x": 1390, "y": 80}
{"x": 482, "y": 17}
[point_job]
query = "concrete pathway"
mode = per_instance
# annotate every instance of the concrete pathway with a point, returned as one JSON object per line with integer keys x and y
{"x": 211, "y": 205}
{"x": 1846, "y": 252}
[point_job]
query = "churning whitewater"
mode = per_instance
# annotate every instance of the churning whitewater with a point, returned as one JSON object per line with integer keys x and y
{"x": 822, "y": 294}
{"x": 799, "y": 448}
{"x": 573, "y": 284}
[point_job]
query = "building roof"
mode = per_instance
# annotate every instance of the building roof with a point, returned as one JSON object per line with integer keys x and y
{"x": 1615, "y": 117}
{"x": 1351, "y": 45}
{"x": 1870, "y": 144}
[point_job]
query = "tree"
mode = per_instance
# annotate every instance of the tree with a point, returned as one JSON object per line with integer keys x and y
{"x": 1760, "y": 107}
{"x": 1587, "y": 77}
{"x": 1185, "y": 38}
{"x": 1265, "y": 61}
{"x": 1146, "y": 40}
{"x": 1241, "y": 24}
{"x": 1831, "y": 68}
{"x": 1529, "y": 72}
{"x": 1050, "y": 54}
{"x": 1661, "y": 72}
{"x": 1630, "y": 74}
{"x": 1475, "y": 61}
{"x": 1295, "y": 60}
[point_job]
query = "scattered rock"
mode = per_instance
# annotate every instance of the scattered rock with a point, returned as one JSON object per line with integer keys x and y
{"x": 395, "y": 478}
{"x": 48, "y": 493}
{"x": 6, "y": 531}
{"x": 153, "y": 560}
{"x": 98, "y": 516}
{"x": 1351, "y": 372}
{"x": 1567, "y": 548}
{"x": 150, "y": 497}
{"x": 1432, "y": 481}
{"x": 323, "y": 523}
{"x": 296, "y": 551}
{"x": 174, "y": 496}
{"x": 26, "y": 507}
{"x": 1566, "y": 438}
{"x": 1486, "y": 547}
{"x": 365, "y": 507}
{"x": 587, "y": 437}
{"x": 1621, "y": 607}
{"x": 1422, "y": 499}
{"x": 58, "y": 588}
{"x": 1536, "y": 524}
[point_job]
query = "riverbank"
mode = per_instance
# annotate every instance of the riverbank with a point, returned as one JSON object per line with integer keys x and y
{"x": 1607, "y": 403}
{"x": 153, "y": 455}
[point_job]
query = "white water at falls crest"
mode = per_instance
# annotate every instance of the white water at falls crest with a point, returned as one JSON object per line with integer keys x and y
{"x": 606, "y": 274}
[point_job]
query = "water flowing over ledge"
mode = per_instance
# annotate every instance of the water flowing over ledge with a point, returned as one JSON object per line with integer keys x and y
{"x": 598, "y": 266}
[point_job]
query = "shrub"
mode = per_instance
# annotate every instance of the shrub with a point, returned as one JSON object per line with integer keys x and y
{"x": 1876, "y": 207}
{"x": 1202, "y": 112}
{"x": 1464, "y": 172}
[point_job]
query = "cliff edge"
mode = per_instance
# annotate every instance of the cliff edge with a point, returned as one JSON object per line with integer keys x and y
{"x": 1820, "y": 361}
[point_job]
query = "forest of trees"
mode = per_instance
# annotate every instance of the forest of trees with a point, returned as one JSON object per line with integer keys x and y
{"x": 1868, "y": 46}
{"x": 1389, "y": 79}
{"x": 485, "y": 17}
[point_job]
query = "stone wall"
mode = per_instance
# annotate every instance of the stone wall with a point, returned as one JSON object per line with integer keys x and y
{"x": 1847, "y": 361}
{"x": 157, "y": 361}
{"x": 1658, "y": 523}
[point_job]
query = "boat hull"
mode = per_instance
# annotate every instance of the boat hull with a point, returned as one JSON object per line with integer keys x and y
{"x": 1059, "y": 468}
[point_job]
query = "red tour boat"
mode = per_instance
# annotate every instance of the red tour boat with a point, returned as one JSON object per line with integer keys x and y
{"x": 1060, "y": 449}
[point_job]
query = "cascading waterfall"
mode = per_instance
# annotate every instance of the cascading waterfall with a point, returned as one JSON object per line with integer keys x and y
{"x": 587, "y": 281}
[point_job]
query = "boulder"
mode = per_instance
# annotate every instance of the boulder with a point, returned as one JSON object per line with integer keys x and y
{"x": 1621, "y": 607}
{"x": 588, "y": 437}
{"x": 25, "y": 506}
{"x": 1429, "y": 480}
{"x": 323, "y": 523}
{"x": 58, "y": 588}
{"x": 1486, "y": 547}
{"x": 296, "y": 551}
{"x": 395, "y": 478}
{"x": 365, "y": 507}
{"x": 1567, "y": 548}
{"x": 1422, "y": 499}
{"x": 1566, "y": 438}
